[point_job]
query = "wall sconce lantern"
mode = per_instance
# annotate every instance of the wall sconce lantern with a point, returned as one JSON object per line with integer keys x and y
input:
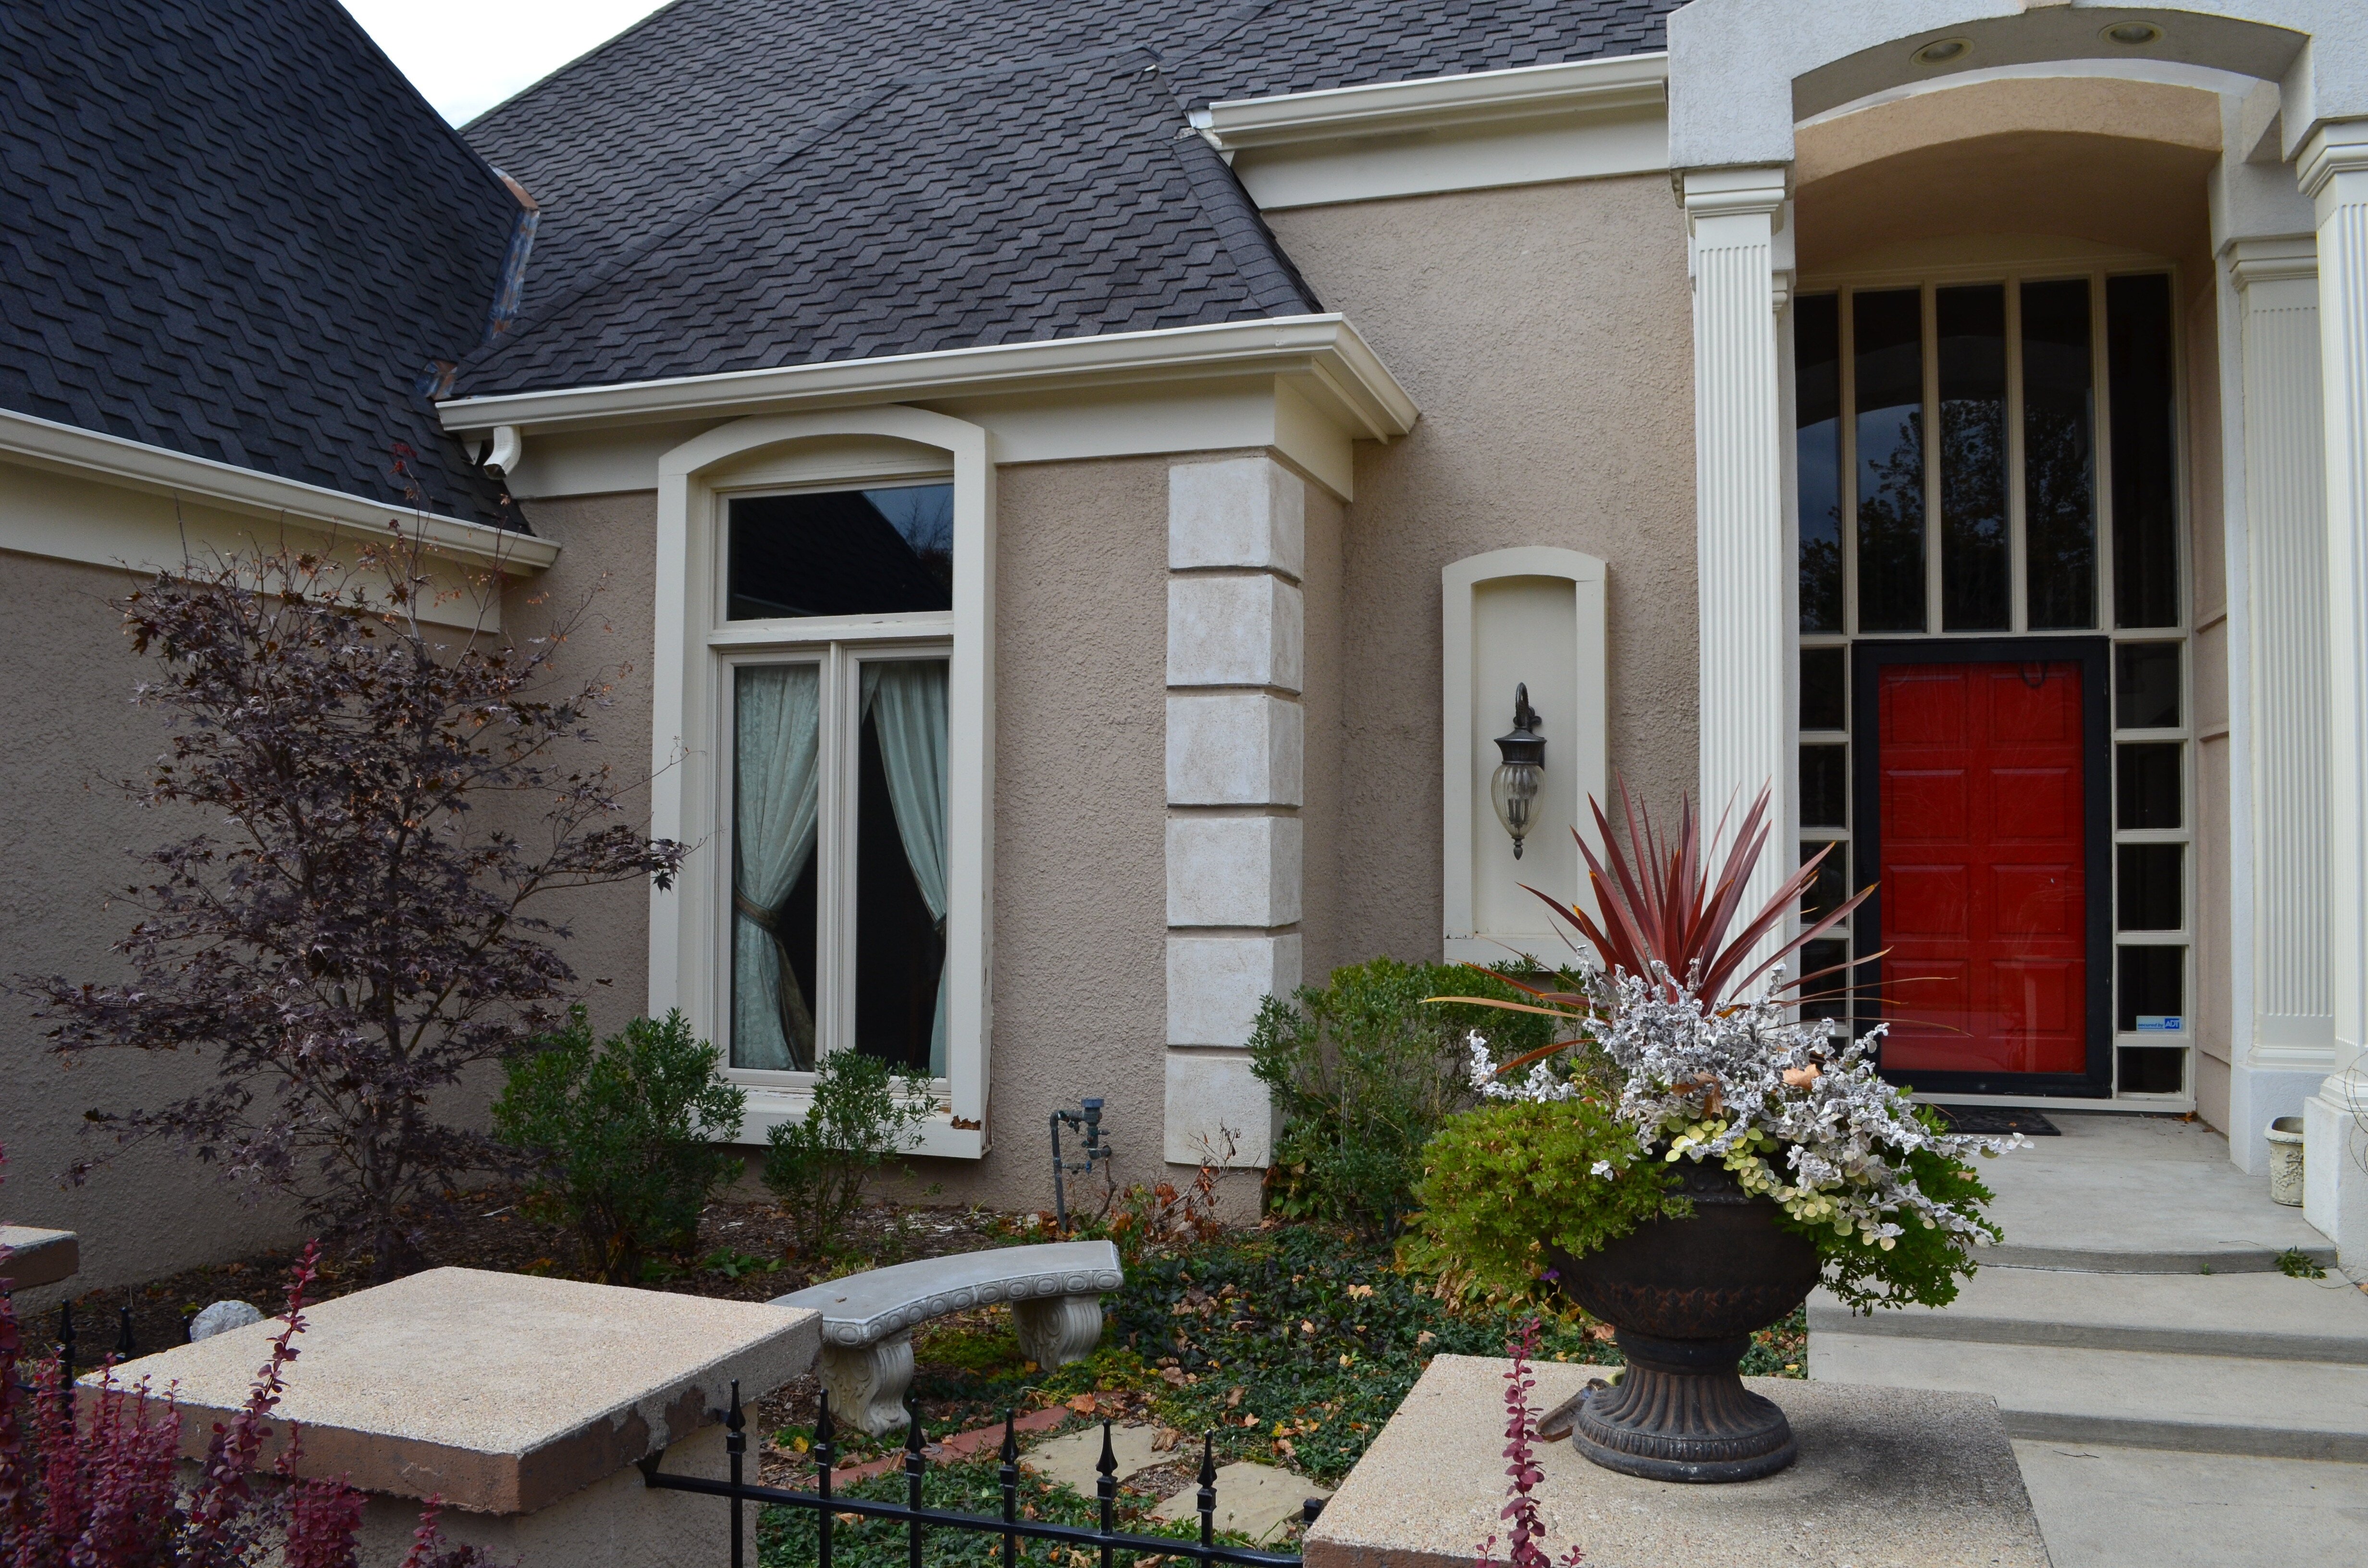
{"x": 1514, "y": 786}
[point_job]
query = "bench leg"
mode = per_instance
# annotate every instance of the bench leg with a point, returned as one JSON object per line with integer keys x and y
{"x": 867, "y": 1382}
{"x": 1057, "y": 1329}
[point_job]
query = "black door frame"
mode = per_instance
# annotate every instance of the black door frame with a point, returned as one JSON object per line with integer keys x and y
{"x": 2094, "y": 655}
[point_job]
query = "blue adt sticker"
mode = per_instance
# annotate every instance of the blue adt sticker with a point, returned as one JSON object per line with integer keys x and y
{"x": 2160, "y": 1023}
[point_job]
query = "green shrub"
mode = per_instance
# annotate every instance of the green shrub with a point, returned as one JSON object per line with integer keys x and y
{"x": 862, "y": 1116}
{"x": 1364, "y": 1072}
{"x": 622, "y": 1137}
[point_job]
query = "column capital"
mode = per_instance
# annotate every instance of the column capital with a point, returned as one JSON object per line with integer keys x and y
{"x": 1748, "y": 190}
{"x": 2271, "y": 258}
{"x": 2337, "y": 147}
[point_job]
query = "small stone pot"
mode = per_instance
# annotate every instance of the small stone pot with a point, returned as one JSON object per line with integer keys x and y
{"x": 2285, "y": 1161}
{"x": 1684, "y": 1297}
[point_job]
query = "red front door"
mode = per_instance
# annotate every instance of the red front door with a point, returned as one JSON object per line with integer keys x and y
{"x": 1980, "y": 783}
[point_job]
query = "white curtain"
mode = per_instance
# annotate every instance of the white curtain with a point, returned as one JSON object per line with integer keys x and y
{"x": 777, "y": 710}
{"x": 907, "y": 704}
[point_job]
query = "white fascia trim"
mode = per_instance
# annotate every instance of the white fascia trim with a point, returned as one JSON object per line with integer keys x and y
{"x": 92, "y": 454}
{"x": 1322, "y": 352}
{"x": 1386, "y": 108}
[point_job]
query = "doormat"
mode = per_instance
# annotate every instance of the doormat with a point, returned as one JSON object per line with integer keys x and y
{"x": 1997, "y": 1118}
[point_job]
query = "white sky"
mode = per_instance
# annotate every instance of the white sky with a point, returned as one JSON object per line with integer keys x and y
{"x": 467, "y": 55}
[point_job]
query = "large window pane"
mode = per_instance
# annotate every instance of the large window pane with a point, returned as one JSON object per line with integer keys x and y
{"x": 2059, "y": 455}
{"x": 2146, "y": 522}
{"x": 1889, "y": 365}
{"x": 1817, "y": 443}
{"x": 900, "y": 866}
{"x": 776, "y": 801}
{"x": 1974, "y": 562}
{"x": 841, "y": 552}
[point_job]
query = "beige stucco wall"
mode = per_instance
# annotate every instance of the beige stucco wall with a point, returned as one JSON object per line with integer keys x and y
{"x": 66, "y": 834}
{"x": 1546, "y": 332}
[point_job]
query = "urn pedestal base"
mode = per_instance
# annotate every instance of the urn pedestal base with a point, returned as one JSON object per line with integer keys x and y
{"x": 1681, "y": 1413}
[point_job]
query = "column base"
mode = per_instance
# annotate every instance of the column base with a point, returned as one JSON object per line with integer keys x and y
{"x": 2335, "y": 1165}
{"x": 2257, "y": 1096}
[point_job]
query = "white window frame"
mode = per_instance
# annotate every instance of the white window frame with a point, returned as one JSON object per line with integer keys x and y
{"x": 696, "y": 651}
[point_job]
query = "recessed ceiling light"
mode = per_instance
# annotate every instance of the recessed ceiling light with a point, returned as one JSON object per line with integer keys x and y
{"x": 1941, "y": 50}
{"x": 2132, "y": 34}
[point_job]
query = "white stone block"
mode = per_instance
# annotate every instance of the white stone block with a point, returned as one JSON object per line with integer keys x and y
{"x": 1233, "y": 870}
{"x": 1237, "y": 511}
{"x": 1215, "y": 984}
{"x": 1235, "y": 631}
{"x": 1232, "y": 748}
{"x": 2334, "y": 1171}
{"x": 1218, "y": 1111}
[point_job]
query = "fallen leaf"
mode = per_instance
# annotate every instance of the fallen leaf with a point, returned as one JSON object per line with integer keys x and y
{"x": 1082, "y": 1404}
{"x": 1172, "y": 1376}
{"x": 1235, "y": 1398}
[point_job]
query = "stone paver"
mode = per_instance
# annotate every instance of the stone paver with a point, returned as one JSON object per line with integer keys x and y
{"x": 1070, "y": 1459}
{"x": 1254, "y": 1500}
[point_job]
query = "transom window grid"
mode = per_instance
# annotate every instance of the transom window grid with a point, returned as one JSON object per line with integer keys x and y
{"x": 2152, "y": 972}
{"x": 836, "y": 647}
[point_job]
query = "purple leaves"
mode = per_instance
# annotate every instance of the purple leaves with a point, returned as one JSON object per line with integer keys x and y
{"x": 1521, "y": 1467}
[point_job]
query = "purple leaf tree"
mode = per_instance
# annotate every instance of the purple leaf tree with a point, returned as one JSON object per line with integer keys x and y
{"x": 383, "y": 809}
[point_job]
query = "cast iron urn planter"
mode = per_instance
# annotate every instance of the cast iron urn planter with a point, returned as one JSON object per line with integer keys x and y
{"x": 1684, "y": 1297}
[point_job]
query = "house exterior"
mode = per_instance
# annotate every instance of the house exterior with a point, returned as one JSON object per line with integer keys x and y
{"x": 1075, "y": 490}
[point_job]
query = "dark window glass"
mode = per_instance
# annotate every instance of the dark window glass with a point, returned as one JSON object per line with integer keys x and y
{"x": 2145, "y": 523}
{"x": 1889, "y": 353}
{"x": 2152, "y": 990}
{"x": 900, "y": 950}
{"x": 2059, "y": 455}
{"x": 2147, "y": 780}
{"x": 1827, "y": 996}
{"x": 2146, "y": 685}
{"x": 2149, "y": 886}
{"x": 1817, "y": 446}
{"x": 1825, "y": 786}
{"x": 1830, "y": 887}
{"x": 1825, "y": 689}
{"x": 841, "y": 552}
{"x": 1970, "y": 325}
{"x": 2152, "y": 1069}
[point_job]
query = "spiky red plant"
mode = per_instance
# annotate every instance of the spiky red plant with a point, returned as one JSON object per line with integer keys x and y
{"x": 1662, "y": 902}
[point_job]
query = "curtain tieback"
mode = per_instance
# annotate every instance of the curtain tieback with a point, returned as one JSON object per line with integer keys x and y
{"x": 759, "y": 915}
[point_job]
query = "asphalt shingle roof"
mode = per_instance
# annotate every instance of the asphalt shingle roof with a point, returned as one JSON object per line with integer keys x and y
{"x": 742, "y": 184}
{"x": 232, "y": 229}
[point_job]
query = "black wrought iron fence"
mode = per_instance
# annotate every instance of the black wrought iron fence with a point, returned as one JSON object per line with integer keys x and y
{"x": 920, "y": 1519}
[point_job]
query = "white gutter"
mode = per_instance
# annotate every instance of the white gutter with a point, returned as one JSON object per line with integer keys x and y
{"x": 92, "y": 454}
{"x": 1322, "y": 353}
{"x": 1623, "y": 84}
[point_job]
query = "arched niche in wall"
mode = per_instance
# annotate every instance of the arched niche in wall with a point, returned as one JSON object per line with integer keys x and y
{"x": 1529, "y": 615}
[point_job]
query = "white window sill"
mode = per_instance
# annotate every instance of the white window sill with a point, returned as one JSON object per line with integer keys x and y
{"x": 940, "y": 1139}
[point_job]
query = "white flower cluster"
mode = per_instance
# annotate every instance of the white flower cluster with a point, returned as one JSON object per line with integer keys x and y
{"x": 1795, "y": 1109}
{"x": 1541, "y": 1083}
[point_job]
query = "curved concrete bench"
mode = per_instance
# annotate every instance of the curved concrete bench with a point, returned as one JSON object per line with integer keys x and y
{"x": 1054, "y": 1288}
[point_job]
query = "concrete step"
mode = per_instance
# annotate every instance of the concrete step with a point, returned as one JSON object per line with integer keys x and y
{"x": 2226, "y": 1404}
{"x": 2108, "y": 1507}
{"x": 2257, "y": 1316}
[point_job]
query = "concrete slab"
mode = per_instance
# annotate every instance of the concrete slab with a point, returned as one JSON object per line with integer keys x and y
{"x": 2138, "y": 1194}
{"x": 1254, "y": 1500}
{"x": 35, "y": 1257}
{"x": 1898, "y": 1478}
{"x": 2262, "y": 1316}
{"x": 2310, "y": 1410}
{"x": 500, "y": 1392}
{"x": 2105, "y": 1508}
{"x": 1070, "y": 1459}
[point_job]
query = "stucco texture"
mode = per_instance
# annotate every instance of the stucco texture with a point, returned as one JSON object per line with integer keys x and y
{"x": 67, "y": 838}
{"x": 1545, "y": 333}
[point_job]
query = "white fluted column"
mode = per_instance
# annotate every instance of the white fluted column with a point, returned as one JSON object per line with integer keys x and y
{"x": 2291, "y": 1045}
{"x": 2333, "y": 171}
{"x": 1742, "y": 544}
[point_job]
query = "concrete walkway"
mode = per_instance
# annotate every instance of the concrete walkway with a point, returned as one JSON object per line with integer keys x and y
{"x": 2174, "y": 1399}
